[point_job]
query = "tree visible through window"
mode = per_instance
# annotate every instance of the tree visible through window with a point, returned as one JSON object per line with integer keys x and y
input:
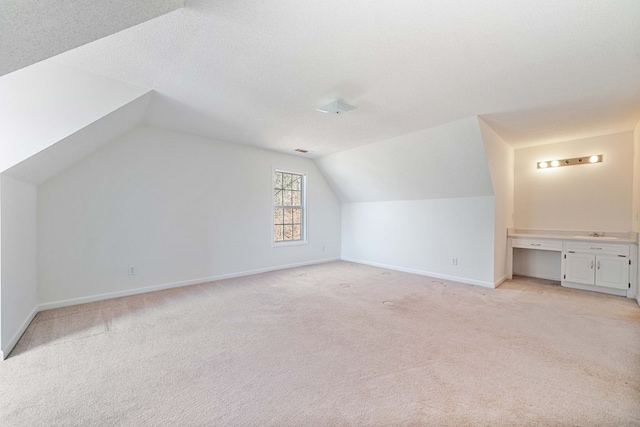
{"x": 288, "y": 202}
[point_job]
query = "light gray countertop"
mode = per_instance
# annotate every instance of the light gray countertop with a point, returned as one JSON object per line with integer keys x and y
{"x": 575, "y": 235}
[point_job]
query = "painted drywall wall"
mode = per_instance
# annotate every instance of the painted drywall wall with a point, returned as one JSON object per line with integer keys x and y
{"x": 416, "y": 201}
{"x": 178, "y": 207}
{"x": 3, "y": 354}
{"x": 59, "y": 156}
{"x": 540, "y": 264}
{"x": 636, "y": 179}
{"x": 593, "y": 197}
{"x": 46, "y": 102}
{"x": 446, "y": 161}
{"x": 500, "y": 160}
{"x": 18, "y": 279}
{"x": 421, "y": 236}
{"x": 636, "y": 193}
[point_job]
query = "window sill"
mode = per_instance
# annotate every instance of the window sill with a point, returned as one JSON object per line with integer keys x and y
{"x": 290, "y": 243}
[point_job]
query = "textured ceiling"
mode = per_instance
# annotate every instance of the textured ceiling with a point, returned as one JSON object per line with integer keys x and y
{"x": 254, "y": 72}
{"x": 418, "y": 166}
{"x": 47, "y": 163}
{"x": 45, "y": 103}
{"x": 33, "y": 30}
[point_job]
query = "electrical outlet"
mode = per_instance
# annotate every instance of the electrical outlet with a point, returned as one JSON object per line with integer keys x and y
{"x": 132, "y": 270}
{"x": 322, "y": 248}
{"x": 454, "y": 261}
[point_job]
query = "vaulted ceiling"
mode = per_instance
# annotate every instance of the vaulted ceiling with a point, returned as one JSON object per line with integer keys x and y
{"x": 254, "y": 72}
{"x": 33, "y": 30}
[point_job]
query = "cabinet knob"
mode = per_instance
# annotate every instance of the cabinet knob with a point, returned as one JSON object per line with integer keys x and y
{"x": 592, "y": 265}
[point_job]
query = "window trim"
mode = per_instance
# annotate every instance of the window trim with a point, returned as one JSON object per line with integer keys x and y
{"x": 305, "y": 206}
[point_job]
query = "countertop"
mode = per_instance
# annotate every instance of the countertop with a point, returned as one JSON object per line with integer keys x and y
{"x": 575, "y": 235}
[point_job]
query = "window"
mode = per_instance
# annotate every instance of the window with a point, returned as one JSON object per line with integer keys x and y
{"x": 289, "y": 223}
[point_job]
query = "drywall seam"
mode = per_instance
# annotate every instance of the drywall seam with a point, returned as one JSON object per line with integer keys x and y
{"x": 21, "y": 330}
{"x": 136, "y": 291}
{"x": 424, "y": 273}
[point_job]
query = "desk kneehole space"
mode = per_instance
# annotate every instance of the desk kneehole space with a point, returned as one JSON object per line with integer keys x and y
{"x": 587, "y": 265}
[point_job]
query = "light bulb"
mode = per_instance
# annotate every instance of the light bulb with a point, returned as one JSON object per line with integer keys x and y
{"x": 542, "y": 165}
{"x": 555, "y": 163}
{"x": 594, "y": 159}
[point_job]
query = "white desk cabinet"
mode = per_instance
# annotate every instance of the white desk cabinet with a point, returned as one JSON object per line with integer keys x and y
{"x": 600, "y": 264}
{"x": 598, "y": 270}
{"x": 595, "y": 264}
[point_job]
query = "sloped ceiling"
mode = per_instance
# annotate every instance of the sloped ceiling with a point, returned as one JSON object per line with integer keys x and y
{"x": 46, "y": 103}
{"x": 446, "y": 161}
{"x": 33, "y": 30}
{"x": 254, "y": 72}
{"x": 59, "y": 156}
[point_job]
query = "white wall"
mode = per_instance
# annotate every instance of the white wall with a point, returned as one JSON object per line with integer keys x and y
{"x": 45, "y": 103}
{"x": 636, "y": 192}
{"x": 540, "y": 264}
{"x": 442, "y": 162}
{"x": 594, "y": 197}
{"x": 422, "y": 236}
{"x": 500, "y": 160}
{"x": 636, "y": 179}
{"x": 59, "y": 156}
{"x": 181, "y": 208}
{"x": 18, "y": 279}
{"x": 416, "y": 201}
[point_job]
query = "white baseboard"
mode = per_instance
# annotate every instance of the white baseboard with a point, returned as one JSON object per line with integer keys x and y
{"x": 136, "y": 291}
{"x": 538, "y": 276}
{"x": 425, "y": 273}
{"x": 500, "y": 280}
{"x": 16, "y": 337}
{"x": 602, "y": 290}
{"x": 4, "y": 352}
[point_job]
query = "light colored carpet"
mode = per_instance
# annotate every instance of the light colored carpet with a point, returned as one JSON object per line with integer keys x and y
{"x": 333, "y": 344}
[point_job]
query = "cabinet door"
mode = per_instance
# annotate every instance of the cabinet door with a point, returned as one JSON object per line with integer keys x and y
{"x": 579, "y": 268}
{"x": 612, "y": 271}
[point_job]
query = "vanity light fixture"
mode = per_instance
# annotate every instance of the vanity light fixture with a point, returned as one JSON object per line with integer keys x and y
{"x": 570, "y": 162}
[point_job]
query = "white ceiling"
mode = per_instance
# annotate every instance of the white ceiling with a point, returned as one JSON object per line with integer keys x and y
{"x": 33, "y": 30}
{"x": 46, "y": 103}
{"x": 418, "y": 166}
{"x": 254, "y": 72}
{"x": 42, "y": 166}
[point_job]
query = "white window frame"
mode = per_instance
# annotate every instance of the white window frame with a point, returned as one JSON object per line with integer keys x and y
{"x": 304, "y": 207}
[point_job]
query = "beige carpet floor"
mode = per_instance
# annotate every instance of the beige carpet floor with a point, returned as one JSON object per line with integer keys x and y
{"x": 332, "y": 344}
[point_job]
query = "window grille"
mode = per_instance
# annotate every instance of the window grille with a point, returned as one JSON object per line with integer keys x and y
{"x": 289, "y": 205}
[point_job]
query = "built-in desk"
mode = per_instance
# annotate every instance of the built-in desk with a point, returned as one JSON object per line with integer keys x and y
{"x": 605, "y": 264}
